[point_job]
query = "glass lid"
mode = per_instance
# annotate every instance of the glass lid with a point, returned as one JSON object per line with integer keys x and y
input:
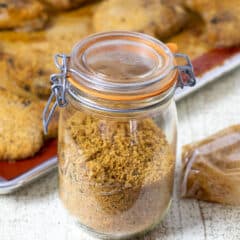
{"x": 122, "y": 64}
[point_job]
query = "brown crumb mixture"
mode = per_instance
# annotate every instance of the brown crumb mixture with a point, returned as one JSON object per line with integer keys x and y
{"x": 115, "y": 177}
{"x": 211, "y": 168}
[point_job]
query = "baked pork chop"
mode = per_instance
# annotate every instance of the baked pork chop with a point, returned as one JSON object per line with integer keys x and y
{"x": 152, "y": 17}
{"x": 222, "y": 19}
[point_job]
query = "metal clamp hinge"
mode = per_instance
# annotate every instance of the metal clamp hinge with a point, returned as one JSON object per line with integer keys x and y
{"x": 186, "y": 75}
{"x": 58, "y": 89}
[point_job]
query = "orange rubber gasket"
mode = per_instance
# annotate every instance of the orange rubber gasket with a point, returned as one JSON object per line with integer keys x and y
{"x": 124, "y": 97}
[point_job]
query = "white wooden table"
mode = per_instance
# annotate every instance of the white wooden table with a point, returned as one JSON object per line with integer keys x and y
{"x": 35, "y": 212}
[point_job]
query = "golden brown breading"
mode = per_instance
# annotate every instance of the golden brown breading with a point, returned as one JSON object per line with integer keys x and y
{"x": 22, "y": 14}
{"x": 8, "y": 84}
{"x": 11, "y": 86}
{"x": 222, "y": 19}
{"x": 152, "y": 17}
{"x": 64, "y": 4}
{"x": 172, "y": 2}
{"x": 192, "y": 40}
{"x": 26, "y": 61}
{"x": 28, "y": 57}
{"x": 21, "y": 130}
{"x": 30, "y": 71}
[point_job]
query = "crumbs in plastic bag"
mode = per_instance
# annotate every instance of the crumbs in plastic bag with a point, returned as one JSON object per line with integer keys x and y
{"x": 211, "y": 168}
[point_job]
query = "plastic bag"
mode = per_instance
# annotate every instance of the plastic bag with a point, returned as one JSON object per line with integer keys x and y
{"x": 211, "y": 168}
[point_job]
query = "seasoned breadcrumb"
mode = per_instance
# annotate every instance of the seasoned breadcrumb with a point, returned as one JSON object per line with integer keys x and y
{"x": 111, "y": 175}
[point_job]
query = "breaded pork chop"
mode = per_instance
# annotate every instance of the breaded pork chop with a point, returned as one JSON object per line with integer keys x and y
{"x": 31, "y": 71}
{"x": 22, "y": 14}
{"x": 27, "y": 58}
{"x": 222, "y": 18}
{"x": 10, "y": 84}
{"x": 151, "y": 17}
{"x": 21, "y": 132}
{"x": 192, "y": 40}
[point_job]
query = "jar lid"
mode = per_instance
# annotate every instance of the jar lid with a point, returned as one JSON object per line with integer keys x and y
{"x": 122, "y": 66}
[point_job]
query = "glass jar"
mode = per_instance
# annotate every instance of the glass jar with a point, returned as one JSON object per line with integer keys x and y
{"x": 117, "y": 131}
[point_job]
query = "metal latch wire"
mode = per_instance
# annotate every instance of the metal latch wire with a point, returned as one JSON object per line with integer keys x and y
{"x": 186, "y": 76}
{"x": 58, "y": 89}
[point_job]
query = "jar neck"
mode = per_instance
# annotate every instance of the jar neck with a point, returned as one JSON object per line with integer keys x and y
{"x": 81, "y": 99}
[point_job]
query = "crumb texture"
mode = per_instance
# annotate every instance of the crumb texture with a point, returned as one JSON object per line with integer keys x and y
{"x": 115, "y": 176}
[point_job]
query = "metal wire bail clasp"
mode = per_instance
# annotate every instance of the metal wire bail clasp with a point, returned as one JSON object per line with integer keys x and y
{"x": 186, "y": 76}
{"x": 58, "y": 89}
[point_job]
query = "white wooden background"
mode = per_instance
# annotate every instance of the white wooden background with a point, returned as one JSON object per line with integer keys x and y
{"x": 35, "y": 212}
